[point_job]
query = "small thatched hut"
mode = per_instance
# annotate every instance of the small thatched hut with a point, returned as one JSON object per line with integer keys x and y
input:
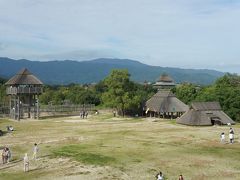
{"x": 205, "y": 113}
{"x": 165, "y": 104}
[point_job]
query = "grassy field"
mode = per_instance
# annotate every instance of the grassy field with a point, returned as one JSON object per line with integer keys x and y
{"x": 103, "y": 147}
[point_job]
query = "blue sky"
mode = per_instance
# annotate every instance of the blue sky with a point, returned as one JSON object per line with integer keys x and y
{"x": 175, "y": 33}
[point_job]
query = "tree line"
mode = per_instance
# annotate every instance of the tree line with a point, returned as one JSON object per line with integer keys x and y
{"x": 127, "y": 97}
{"x": 115, "y": 91}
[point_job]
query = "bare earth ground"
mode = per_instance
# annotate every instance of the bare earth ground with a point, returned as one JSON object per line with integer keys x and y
{"x": 119, "y": 148}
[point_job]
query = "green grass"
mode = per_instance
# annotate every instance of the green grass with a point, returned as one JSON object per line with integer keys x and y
{"x": 80, "y": 153}
{"x": 20, "y": 175}
{"x": 17, "y": 176}
{"x": 130, "y": 148}
{"x": 173, "y": 121}
{"x": 225, "y": 151}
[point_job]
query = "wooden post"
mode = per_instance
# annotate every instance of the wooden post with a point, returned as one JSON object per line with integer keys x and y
{"x": 18, "y": 117}
{"x": 29, "y": 104}
{"x": 10, "y": 106}
{"x": 15, "y": 108}
{"x": 37, "y": 102}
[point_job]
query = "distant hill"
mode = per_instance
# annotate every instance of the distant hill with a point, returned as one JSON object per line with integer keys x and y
{"x": 66, "y": 72}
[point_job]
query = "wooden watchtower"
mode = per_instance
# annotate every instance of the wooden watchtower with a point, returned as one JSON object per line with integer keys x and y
{"x": 164, "y": 82}
{"x": 24, "y": 89}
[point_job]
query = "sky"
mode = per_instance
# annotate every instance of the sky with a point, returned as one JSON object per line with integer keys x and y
{"x": 200, "y": 34}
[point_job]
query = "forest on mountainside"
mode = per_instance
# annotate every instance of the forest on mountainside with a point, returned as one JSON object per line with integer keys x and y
{"x": 119, "y": 92}
{"x": 93, "y": 71}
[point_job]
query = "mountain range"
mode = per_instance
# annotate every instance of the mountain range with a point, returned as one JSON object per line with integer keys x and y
{"x": 92, "y": 71}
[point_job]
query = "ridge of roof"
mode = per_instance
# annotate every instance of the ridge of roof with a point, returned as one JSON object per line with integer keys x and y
{"x": 24, "y": 77}
{"x": 165, "y": 78}
{"x": 24, "y": 71}
{"x": 205, "y": 106}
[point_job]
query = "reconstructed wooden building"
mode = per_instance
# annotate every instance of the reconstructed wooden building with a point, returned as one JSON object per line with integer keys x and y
{"x": 24, "y": 89}
{"x": 165, "y": 104}
{"x": 164, "y": 82}
{"x": 205, "y": 113}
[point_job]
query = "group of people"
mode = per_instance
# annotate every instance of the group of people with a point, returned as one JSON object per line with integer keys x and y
{"x": 160, "y": 176}
{"x": 83, "y": 114}
{"x": 26, "y": 159}
{"x": 6, "y": 155}
{"x": 231, "y": 136}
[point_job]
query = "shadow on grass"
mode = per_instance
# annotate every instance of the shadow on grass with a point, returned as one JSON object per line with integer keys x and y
{"x": 2, "y": 133}
{"x": 9, "y": 165}
{"x": 80, "y": 153}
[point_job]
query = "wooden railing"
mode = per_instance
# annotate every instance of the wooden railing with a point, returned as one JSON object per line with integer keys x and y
{"x": 24, "y": 90}
{"x": 67, "y": 108}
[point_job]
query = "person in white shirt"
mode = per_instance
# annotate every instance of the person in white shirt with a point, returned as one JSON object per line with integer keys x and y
{"x": 222, "y": 137}
{"x": 25, "y": 163}
{"x": 159, "y": 176}
{"x": 35, "y": 151}
{"x": 231, "y": 137}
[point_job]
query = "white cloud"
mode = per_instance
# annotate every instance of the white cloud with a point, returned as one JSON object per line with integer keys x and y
{"x": 179, "y": 33}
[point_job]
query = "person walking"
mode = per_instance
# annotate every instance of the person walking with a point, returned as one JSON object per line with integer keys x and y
{"x": 4, "y": 155}
{"x": 231, "y": 137}
{"x": 231, "y": 130}
{"x": 222, "y": 137}
{"x": 180, "y": 177}
{"x": 26, "y": 163}
{"x": 35, "y": 151}
{"x": 8, "y": 155}
{"x": 159, "y": 176}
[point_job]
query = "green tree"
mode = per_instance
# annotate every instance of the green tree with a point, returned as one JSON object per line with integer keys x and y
{"x": 186, "y": 92}
{"x": 3, "y": 95}
{"x": 225, "y": 90}
{"x": 118, "y": 88}
{"x": 121, "y": 93}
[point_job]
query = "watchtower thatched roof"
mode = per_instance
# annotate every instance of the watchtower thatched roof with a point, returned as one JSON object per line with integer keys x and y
{"x": 165, "y": 101}
{"x": 24, "y": 77}
{"x": 165, "y": 78}
{"x": 164, "y": 82}
{"x": 205, "y": 113}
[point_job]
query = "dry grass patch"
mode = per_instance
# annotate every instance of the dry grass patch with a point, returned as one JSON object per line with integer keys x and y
{"x": 103, "y": 147}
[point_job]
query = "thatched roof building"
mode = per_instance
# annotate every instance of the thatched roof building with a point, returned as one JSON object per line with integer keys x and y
{"x": 164, "y": 82}
{"x": 165, "y": 102}
{"x": 205, "y": 113}
{"x": 24, "y": 77}
{"x": 24, "y": 89}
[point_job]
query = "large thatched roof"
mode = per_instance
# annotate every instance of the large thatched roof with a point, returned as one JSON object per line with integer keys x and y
{"x": 206, "y": 106}
{"x": 204, "y": 113}
{"x": 24, "y": 77}
{"x": 165, "y": 101}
